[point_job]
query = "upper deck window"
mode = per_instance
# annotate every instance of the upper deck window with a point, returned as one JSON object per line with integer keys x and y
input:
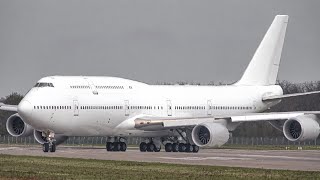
{"x": 44, "y": 85}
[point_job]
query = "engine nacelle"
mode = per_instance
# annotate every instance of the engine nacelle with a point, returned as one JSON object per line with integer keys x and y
{"x": 17, "y": 127}
{"x": 41, "y": 139}
{"x": 301, "y": 128}
{"x": 210, "y": 135}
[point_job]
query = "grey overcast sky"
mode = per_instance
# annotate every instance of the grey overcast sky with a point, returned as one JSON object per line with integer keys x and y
{"x": 150, "y": 41}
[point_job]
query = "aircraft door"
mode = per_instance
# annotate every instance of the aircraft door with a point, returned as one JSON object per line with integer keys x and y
{"x": 75, "y": 108}
{"x": 92, "y": 87}
{"x": 169, "y": 108}
{"x": 126, "y": 108}
{"x": 209, "y": 107}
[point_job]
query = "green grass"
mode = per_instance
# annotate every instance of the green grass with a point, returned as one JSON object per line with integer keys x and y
{"x": 26, "y": 167}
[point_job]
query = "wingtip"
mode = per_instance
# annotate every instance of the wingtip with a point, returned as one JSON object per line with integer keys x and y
{"x": 284, "y": 17}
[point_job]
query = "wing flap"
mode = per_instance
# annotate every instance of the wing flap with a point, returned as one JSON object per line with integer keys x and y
{"x": 264, "y": 117}
{"x": 151, "y": 123}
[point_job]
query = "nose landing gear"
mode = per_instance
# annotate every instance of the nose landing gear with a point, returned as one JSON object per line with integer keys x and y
{"x": 50, "y": 144}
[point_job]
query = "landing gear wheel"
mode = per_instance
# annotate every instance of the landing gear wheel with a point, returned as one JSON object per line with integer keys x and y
{"x": 195, "y": 148}
{"x": 151, "y": 147}
{"x": 175, "y": 147}
{"x": 109, "y": 146}
{"x": 45, "y": 147}
{"x": 53, "y": 147}
{"x": 168, "y": 147}
{"x": 123, "y": 146}
{"x": 116, "y": 146}
{"x": 182, "y": 147}
{"x": 157, "y": 149}
{"x": 189, "y": 148}
{"x": 143, "y": 147}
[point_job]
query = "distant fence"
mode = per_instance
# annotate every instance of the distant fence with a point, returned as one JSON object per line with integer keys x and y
{"x": 101, "y": 141}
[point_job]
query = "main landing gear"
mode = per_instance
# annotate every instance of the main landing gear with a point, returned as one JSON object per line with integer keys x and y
{"x": 149, "y": 147}
{"x": 50, "y": 144}
{"x": 181, "y": 147}
{"x": 154, "y": 145}
{"x": 116, "y": 144}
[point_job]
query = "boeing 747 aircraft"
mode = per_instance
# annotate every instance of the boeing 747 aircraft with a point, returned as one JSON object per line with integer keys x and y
{"x": 181, "y": 118}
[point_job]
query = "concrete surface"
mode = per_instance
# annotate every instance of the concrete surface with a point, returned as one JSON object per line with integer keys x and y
{"x": 307, "y": 160}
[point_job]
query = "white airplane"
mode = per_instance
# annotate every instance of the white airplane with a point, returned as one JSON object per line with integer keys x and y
{"x": 182, "y": 118}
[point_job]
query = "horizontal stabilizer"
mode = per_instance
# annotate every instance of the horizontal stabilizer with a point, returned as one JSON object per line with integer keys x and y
{"x": 277, "y": 97}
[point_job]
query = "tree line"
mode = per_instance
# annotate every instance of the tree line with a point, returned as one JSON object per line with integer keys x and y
{"x": 249, "y": 129}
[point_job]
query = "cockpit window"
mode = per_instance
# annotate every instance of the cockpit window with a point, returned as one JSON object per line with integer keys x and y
{"x": 44, "y": 85}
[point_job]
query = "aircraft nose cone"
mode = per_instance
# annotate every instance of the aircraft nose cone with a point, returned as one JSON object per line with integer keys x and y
{"x": 25, "y": 110}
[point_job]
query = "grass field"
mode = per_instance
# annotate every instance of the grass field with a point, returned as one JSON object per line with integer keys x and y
{"x": 26, "y": 167}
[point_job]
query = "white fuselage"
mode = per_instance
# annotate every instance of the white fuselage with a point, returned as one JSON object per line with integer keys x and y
{"x": 96, "y": 106}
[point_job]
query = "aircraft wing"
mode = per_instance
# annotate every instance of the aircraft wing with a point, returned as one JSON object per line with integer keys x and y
{"x": 158, "y": 123}
{"x": 270, "y": 116}
{"x": 6, "y": 107}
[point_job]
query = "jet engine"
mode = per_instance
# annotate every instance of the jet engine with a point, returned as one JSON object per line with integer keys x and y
{"x": 210, "y": 135}
{"x": 300, "y": 128}
{"x": 17, "y": 127}
{"x": 41, "y": 139}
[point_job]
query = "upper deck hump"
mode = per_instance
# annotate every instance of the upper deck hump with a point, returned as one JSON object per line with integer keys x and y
{"x": 96, "y": 80}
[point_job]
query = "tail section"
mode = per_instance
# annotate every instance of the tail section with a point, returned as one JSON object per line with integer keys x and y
{"x": 264, "y": 66}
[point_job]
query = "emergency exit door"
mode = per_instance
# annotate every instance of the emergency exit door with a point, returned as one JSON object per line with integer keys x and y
{"x": 209, "y": 107}
{"x": 169, "y": 108}
{"x": 126, "y": 108}
{"x": 75, "y": 108}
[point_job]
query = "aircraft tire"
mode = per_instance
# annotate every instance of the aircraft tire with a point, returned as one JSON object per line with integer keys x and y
{"x": 189, "y": 148}
{"x": 195, "y": 148}
{"x": 182, "y": 147}
{"x": 45, "y": 147}
{"x": 157, "y": 149}
{"x": 151, "y": 147}
{"x": 53, "y": 147}
{"x": 109, "y": 146}
{"x": 175, "y": 147}
{"x": 116, "y": 146}
{"x": 123, "y": 146}
{"x": 168, "y": 147}
{"x": 143, "y": 147}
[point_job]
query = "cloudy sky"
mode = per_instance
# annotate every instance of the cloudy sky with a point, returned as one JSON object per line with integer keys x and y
{"x": 150, "y": 41}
